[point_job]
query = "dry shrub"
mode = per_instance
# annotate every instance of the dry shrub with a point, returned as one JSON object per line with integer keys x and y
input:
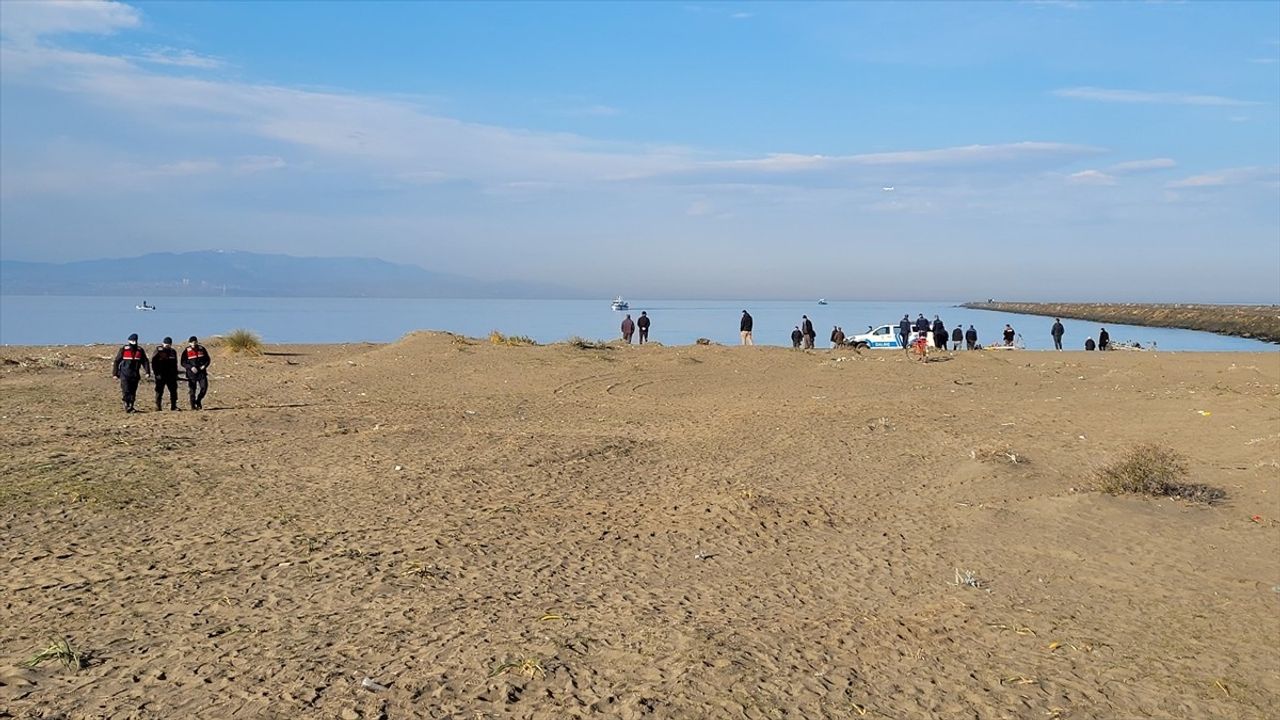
{"x": 584, "y": 344}
{"x": 1154, "y": 471}
{"x": 498, "y": 338}
{"x": 242, "y": 341}
{"x": 997, "y": 454}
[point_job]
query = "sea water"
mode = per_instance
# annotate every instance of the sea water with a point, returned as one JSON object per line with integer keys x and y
{"x": 58, "y": 320}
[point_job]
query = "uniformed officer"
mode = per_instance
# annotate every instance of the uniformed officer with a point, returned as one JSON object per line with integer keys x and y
{"x": 164, "y": 365}
{"x": 196, "y": 361}
{"x": 128, "y": 367}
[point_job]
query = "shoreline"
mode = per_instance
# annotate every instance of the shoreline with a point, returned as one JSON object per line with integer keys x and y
{"x": 1252, "y": 322}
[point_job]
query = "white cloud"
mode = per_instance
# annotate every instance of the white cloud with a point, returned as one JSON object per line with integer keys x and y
{"x": 597, "y": 111}
{"x": 1229, "y": 177}
{"x": 249, "y": 164}
{"x": 1264, "y": 61}
{"x": 1137, "y": 166}
{"x": 180, "y": 58}
{"x": 742, "y": 15}
{"x": 1090, "y": 177}
{"x": 183, "y": 168}
{"x": 30, "y": 20}
{"x": 1140, "y": 96}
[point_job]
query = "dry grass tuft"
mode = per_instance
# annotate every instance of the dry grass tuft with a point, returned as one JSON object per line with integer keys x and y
{"x": 498, "y": 338}
{"x": 59, "y": 649}
{"x": 1154, "y": 471}
{"x": 997, "y": 454}
{"x": 241, "y": 341}
{"x": 584, "y": 344}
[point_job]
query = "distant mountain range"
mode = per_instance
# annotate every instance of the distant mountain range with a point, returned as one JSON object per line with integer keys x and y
{"x": 248, "y": 274}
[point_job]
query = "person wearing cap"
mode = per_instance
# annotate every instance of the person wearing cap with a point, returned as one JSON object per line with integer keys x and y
{"x": 642, "y": 325}
{"x": 129, "y": 365}
{"x": 164, "y": 366}
{"x": 744, "y": 328}
{"x": 195, "y": 360}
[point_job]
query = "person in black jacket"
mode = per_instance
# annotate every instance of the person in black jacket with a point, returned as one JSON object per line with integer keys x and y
{"x": 806, "y": 327}
{"x": 1089, "y": 344}
{"x": 1057, "y": 331}
{"x": 797, "y": 337}
{"x": 1009, "y": 334}
{"x": 744, "y": 328}
{"x": 196, "y": 361}
{"x": 922, "y": 325}
{"x": 1104, "y": 340}
{"x": 129, "y": 365}
{"x": 939, "y": 333}
{"x": 643, "y": 325}
{"x": 904, "y": 331}
{"x": 970, "y": 338}
{"x": 164, "y": 366}
{"x": 957, "y": 336}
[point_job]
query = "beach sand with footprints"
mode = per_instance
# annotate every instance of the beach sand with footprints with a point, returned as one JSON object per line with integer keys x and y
{"x": 486, "y": 531}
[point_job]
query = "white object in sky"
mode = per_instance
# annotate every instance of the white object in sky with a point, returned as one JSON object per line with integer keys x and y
{"x": 887, "y": 188}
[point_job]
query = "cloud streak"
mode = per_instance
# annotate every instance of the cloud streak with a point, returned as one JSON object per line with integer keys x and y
{"x": 1146, "y": 97}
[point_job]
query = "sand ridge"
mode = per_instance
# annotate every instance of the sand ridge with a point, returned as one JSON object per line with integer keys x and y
{"x": 550, "y": 532}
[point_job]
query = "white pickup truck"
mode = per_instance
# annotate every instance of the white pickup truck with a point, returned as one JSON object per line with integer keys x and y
{"x": 884, "y": 337}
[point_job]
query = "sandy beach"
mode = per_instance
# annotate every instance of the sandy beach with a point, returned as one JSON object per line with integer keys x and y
{"x": 668, "y": 532}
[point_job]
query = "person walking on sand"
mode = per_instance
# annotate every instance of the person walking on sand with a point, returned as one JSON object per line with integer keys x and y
{"x": 744, "y": 328}
{"x": 643, "y": 325}
{"x": 628, "y": 328}
{"x": 195, "y": 359}
{"x": 957, "y": 336}
{"x": 128, "y": 367}
{"x": 806, "y": 327}
{"x": 1057, "y": 332}
{"x": 904, "y": 331}
{"x": 164, "y": 366}
{"x": 797, "y": 337}
{"x": 970, "y": 338}
{"x": 1009, "y": 334}
{"x": 1104, "y": 340}
{"x": 939, "y": 333}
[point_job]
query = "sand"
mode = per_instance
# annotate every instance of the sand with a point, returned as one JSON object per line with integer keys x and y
{"x": 693, "y": 532}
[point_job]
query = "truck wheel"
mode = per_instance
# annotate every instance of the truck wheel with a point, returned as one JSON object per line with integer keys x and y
{"x": 860, "y": 345}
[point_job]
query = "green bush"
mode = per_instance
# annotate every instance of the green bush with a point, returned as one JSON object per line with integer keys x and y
{"x": 242, "y": 341}
{"x": 1154, "y": 471}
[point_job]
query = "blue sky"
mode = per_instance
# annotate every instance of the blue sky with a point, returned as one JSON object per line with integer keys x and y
{"x": 1038, "y": 150}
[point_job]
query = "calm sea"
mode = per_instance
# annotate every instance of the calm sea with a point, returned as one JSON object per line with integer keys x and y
{"x": 53, "y": 320}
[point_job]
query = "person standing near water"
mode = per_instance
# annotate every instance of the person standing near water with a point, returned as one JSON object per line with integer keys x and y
{"x": 744, "y": 328}
{"x": 957, "y": 336}
{"x": 1104, "y": 340}
{"x": 628, "y": 328}
{"x": 970, "y": 338}
{"x": 1057, "y": 332}
{"x": 904, "y": 331}
{"x": 196, "y": 361}
{"x": 643, "y": 324}
{"x": 939, "y": 333}
{"x": 806, "y": 327}
{"x": 164, "y": 366}
{"x": 797, "y": 337}
{"x": 129, "y": 365}
{"x": 1009, "y": 334}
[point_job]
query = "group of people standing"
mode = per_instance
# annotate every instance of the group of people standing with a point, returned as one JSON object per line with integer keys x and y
{"x": 935, "y": 334}
{"x": 630, "y": 326}
{"x": 131, "y": 363}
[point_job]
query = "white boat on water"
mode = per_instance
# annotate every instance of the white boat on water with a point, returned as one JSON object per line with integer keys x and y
{"x": 144, "y": 306}
{"x": 822, "y": 301}
{"x": 620, "y": 304}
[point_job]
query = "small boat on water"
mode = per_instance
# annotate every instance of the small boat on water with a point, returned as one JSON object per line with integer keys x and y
{"x": 822, "y": 301}
{"x": 144, "y": 306}
{"x": 620, "y": 304}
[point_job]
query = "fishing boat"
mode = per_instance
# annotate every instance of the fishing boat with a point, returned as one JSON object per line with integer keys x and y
{"x": 144, "y": 306}
{"x": 620, "y": 304}
{"x": 822, "y": 301}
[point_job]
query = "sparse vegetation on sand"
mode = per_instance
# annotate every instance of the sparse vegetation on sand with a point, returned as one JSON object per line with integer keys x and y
{"x": 498, "y": 338}
{"x": 61, "y": 650}
{"x": 1260, "y": 322}
{"x": 1154, "y": 471}
{"x": 584, "y": 344}
{"x": 242, "y": 342}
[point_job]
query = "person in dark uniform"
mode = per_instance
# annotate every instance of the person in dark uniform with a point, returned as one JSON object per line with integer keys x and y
{"x": 129, "y": 365}
{"x": 1089, "y": 344}
{"x": 939, "y": 333}
{"x": 1057, "y": 331}
{"x": 1009, "y": 334}
{"x": 970, "y": 338}
{"x": 806, "y": 327}
{"x": 628, "y": 328}
{"x": 904, "y": 331}
{"x": 797, "y": 337}
{"x": 195, "y": 359}
{"x": 957, "y": 336}
{"x": 744, "y": 328}
{"x": 164, "y": 366}
{"x": 1104, "y": 340}
{"x": 643, "y": 325}
{"x": 922, "y": 325}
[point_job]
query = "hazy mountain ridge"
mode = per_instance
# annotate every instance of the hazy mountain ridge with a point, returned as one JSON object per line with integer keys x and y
{"x": 237, "y": 273}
